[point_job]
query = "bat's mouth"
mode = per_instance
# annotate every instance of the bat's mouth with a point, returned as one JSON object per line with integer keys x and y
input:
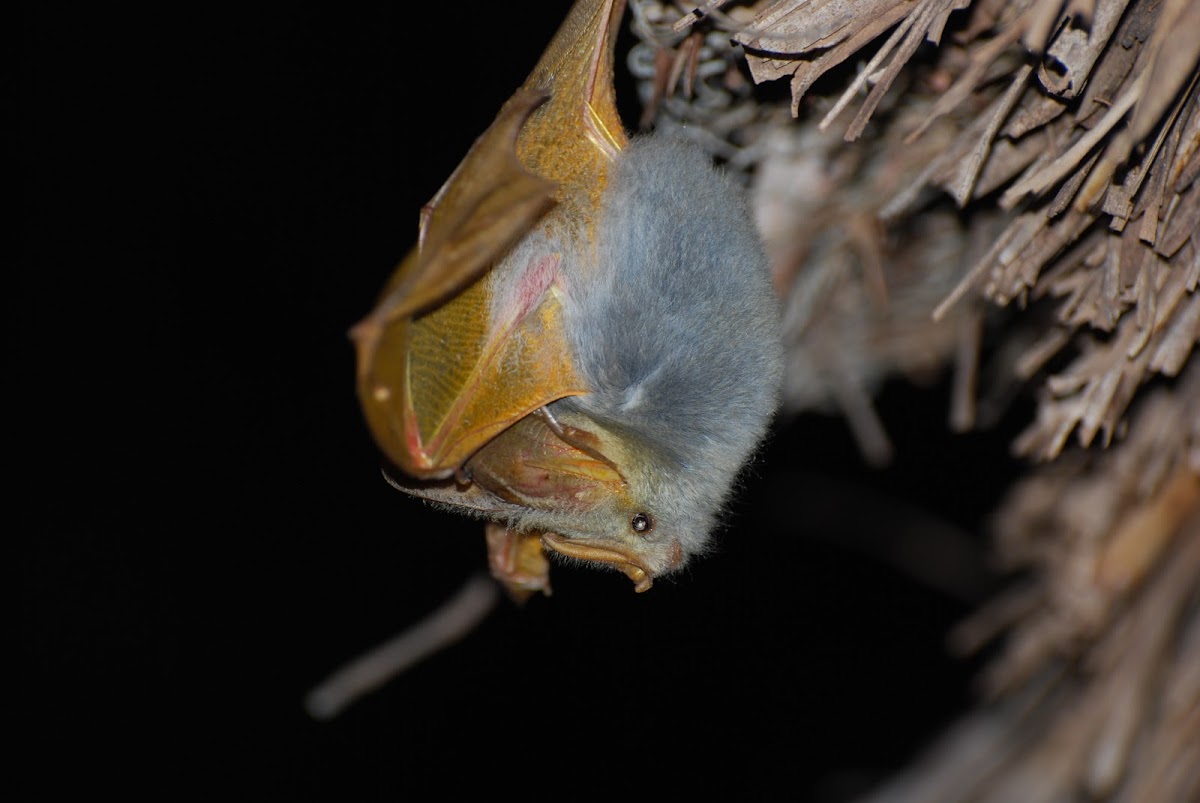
{"x": 625, "y": 562}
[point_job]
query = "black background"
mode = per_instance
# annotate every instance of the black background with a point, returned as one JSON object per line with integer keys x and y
{"x": 207, "y": 205}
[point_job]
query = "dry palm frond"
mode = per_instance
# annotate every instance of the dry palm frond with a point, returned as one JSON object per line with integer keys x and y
{"x": 1039, "y": 158}
{"x": 1097, "y": 692}
{"x": 1077, "y": 123}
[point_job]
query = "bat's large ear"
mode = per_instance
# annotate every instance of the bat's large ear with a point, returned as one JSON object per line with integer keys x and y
{"x": 532, "y": 465}
{"x": 540, "y": 465}
{"x": 442, "y": 368}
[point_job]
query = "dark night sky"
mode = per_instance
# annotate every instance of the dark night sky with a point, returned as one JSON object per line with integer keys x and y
{"x": 208, "y": 204}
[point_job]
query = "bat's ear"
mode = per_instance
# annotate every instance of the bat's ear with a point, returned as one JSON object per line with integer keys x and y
{"x": 539, "y": 465}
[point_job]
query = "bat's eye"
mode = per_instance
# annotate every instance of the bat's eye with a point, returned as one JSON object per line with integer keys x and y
{"x": 641, "y": 523}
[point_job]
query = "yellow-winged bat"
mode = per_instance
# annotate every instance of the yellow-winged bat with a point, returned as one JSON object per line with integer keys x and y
{"x": 583, "y": 347}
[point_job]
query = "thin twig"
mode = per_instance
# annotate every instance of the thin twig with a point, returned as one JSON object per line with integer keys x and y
{"x": 457, "y": 617}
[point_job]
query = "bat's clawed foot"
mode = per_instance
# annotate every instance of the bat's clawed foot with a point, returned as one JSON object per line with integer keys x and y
{"x": 518, "y": 562}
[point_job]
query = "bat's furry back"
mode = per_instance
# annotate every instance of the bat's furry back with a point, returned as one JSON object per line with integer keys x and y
{"x": 677, "y": 330}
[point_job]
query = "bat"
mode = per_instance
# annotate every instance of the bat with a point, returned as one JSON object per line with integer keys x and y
{"x": 584, "y": 346}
